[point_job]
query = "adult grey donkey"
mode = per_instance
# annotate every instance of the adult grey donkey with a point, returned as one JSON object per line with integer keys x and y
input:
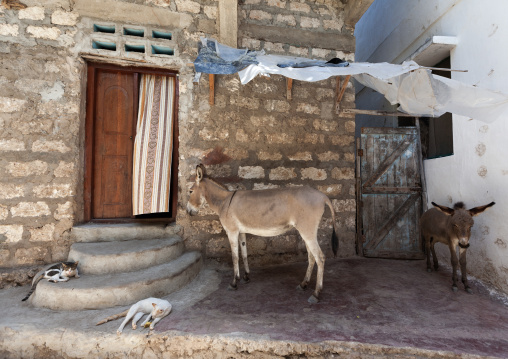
{"x": 453, "y": 228}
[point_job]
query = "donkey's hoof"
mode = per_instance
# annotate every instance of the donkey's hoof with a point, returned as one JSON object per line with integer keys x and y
{"x": 232, "y": 287}
{"x": 313, "y": 300}
{"x": 300, "y": 287}
{"x": 246, "y": 278}
{"x": 455, "y": 289}
{"x": 429, "y": 270}
{"x": 469, "y": 290}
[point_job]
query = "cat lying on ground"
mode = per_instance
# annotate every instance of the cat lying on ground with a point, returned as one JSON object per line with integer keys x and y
{"x": 154, "y": 307}
{"x": 58, "y": 272}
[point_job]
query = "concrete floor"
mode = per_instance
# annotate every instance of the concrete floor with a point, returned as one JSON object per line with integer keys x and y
{"x": 381, "y": 306}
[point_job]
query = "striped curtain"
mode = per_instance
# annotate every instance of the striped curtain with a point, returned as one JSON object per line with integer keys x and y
{"x": 153, "y": 145}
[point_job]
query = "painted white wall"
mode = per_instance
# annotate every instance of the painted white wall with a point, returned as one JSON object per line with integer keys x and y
{"x": 477, "y": 173}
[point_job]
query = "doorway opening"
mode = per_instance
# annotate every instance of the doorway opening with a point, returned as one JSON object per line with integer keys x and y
{"x": 113, "y": 101}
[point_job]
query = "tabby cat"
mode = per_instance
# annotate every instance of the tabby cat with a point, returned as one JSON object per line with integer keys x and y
{"x": 59, "y": 272}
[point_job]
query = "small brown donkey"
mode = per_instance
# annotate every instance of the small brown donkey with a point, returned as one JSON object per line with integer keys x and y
{"x": 266, "y": 213}
{"x": 453, "y": 228}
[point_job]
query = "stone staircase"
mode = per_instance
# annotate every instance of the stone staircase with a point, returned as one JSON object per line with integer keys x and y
{"x": 120, "y": 264}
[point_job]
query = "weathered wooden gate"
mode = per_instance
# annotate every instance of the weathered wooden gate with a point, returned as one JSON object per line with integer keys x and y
{"x": 390, "y": 192}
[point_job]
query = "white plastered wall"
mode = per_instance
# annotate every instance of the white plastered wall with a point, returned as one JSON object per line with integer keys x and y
{"x": 477, "y": 173}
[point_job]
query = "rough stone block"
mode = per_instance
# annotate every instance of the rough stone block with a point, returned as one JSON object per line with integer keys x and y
{"x": 64, "y": 169}
{"x": 286, "y": 19}
{"x": 335, "y": 24}
{"x": 277, "y": 106}
{"x": 316, "y": 174}
{"x": 328, "y": 156}
{"x": 48, "y": 33}
{"x": 258, "y": 186}
{"x": 64, "y": 211}
{"x": 331, "y": 190}
{"x": 42, "y": 234}
{"x": 267, "y": 156}
{"x": 299, "y": 51}
{"x": 9, "y": 105}
{"x": 342, "y": 140}
{"x": 277, "y": 3}
{"x": 301, "y": 156}
{"x": 325, "y": 125}
{"x": 308, "y": 108}
{"x": 11, "y": 145}
{"x": 279, "y": 138}
{"x": 31, "y": 255}
{"x": 249, "y": 172}
{"x": 65, "y": 18}
{"x": 259, "y": 15}
{"x": 282, "y": 174}
{"x": 212, "y": 227}
{"x": 23, "y": 169}
{"x": 53, "y": 191}
{"x": 11, "y": 233}
{"x": 9, "y": 30}
{"x": 213, "y": 135}
{"x": 350, "y": 126}
{"x": 210, "y": 12}
{"x": 344, "y": 205}
{"x": 299, "y": 7}
{"x": 309, "y": 22}
{"x": 188, "y": 6}
{"x": 32, "y": 13}
{"x": 11, "y": 190}
{"x": 4, "y": 212}
{"x": 265, "y": 121}
{"x": 30, "y": 209}
{"x": 343, "y": 173}
{"x": 50, "y": 146}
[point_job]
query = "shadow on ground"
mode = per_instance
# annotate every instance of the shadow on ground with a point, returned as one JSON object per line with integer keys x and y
{"x": 379, "y": 306}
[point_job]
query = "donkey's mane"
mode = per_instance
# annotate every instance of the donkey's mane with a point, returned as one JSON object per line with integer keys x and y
{"x": 459, "y": 205}
{"x": 217, "y": 183}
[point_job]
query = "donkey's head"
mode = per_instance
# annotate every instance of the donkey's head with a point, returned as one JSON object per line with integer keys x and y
{"x": 461, "y": 220}
{"x": 197, "y": 193}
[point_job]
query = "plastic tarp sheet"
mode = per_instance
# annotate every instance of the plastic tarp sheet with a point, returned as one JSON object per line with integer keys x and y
{"x": 415, "y": 89}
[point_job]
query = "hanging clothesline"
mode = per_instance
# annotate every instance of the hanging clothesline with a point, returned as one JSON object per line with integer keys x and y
{"x": 414, "y": 88}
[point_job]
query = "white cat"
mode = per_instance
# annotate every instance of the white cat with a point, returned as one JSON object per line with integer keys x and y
{"x": 154, "y": 307}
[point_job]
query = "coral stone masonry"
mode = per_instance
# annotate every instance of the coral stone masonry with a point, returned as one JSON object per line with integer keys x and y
{"x": 251, "y": 137}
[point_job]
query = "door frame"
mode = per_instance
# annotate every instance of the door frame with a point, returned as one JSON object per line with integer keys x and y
{"x": 89, "y": 141}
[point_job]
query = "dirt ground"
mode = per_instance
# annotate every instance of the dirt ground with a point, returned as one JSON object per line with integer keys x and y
{"x": 369, "y": 308}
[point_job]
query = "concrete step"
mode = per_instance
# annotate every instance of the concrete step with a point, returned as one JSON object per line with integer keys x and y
{"x": 93, "y": 232}
{"x": 124, "y": 256}
{"x": 108, "y": 290}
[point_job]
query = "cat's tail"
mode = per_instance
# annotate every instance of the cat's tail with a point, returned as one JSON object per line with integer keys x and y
{"x": 113, "y": 317}
{"x": 34, "y": 285}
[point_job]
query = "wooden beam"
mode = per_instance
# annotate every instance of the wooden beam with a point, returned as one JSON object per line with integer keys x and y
{"x": 228, "y": 22}
{"x": 211, "y": 99}
{"x": 289, "y": 87}
{"x": 340, "y": 93}
{"x": 376, "y": 113}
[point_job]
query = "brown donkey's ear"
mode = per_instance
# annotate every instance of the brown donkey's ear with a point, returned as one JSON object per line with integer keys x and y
{"x": 444, "y": 209}
{"x": 480, "y": 209}
{"x": 200, "y": 173}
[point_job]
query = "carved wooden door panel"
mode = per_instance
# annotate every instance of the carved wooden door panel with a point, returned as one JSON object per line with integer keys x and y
{"x": 115, "y": 116}
{"x": 391, "y": 193}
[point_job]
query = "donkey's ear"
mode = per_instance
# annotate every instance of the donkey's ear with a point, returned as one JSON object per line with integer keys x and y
{"x": 444, "y": 209}
{"x": 200, "y": 173}
{"x": 477, "y": 210}
{"x": 154, "y": 305}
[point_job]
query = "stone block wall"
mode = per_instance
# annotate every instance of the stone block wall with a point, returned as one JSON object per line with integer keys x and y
{"x": 253, "y": 137}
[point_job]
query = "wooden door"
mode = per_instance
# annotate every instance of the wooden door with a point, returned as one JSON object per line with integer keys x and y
{"x": 115, "y": 118}
{"x": 391, "y": 192}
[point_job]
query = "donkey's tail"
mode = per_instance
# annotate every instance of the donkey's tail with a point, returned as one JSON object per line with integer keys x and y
{"x": 335, "y": 239}
{"x": 113, "y": 317}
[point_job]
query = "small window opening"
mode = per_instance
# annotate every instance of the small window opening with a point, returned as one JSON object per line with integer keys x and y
{"x": 133, "y": 32}
{"x": 162, "y": 50}
{"x": 161, "y": 35}
{"x": 134, "y": 48}
{"x": 103, "y": 45}
{"x": 104, "y": 28}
